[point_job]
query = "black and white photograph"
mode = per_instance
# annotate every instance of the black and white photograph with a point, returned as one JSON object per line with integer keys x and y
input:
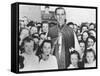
{"x": 56, "y": 37}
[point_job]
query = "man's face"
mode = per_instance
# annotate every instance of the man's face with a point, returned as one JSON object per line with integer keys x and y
{"x": 60, "y": 16}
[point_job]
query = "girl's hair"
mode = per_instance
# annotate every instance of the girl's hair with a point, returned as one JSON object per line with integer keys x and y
{"x": 40, "y": 51}
{"x": 27, "y": 39}
{"x": 87, "y": 51}
{"x": 91, "y": 37}
{"x": 46, "y": 41}
{"x": 92, "y": 24}
{"x": 83, "y": 25}
{"x": 75, "y": 52}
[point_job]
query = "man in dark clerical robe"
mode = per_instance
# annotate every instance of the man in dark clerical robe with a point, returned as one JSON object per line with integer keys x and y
{"x": 63, "y": 38}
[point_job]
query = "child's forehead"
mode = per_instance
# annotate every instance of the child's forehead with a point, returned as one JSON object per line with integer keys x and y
{"x": 29, "y": 43}
{"x": 74, "y": 55}
{"x": 47, "y": 44}
{"x": 90, "y": 53}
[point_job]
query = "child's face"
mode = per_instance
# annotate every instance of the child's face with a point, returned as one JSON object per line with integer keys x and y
{"x": 90, "y": 57}
{"x": 91, "y": 27}
{"x": 33, "y": 30}
{"x": 24, "y": 33}
{"x": 46, "y": 48}
{"x": 29, "y": 46}
{"x": 90, "y": 42}
{"x": 84, "y": 29}
{"x": 74, "y": 59}
{"x": 72, "y": 26}
{"x": 79, "y": 37}
{"x": 85, "y": 35}
{"x": 45, "y": 27}
{"x": 92, "y": 33}
{"x": 82, "y": 45}
{"x": 42, "y": 36}
{"x": 36, "y": 40}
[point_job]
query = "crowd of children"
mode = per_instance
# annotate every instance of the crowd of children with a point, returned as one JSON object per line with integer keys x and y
{"x": 35, "y": 52}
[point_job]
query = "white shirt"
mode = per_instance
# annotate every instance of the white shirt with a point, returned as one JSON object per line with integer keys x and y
{"x": 71, "y": 66}
{"x": 49, "y": 64}
{"x": 30, "y": 62}
{"x": 90, "y": 65}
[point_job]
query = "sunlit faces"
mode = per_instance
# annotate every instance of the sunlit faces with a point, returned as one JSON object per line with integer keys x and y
{"x": 29, "y": 46}
{"x": 42, "y": 36}
{"x": 45, "y": 27}
{"x": 90, "y": 57}
{"x": 60, "y": 16}
{"x": 84, "y": 28}
{"x": 24, "y": 33}
{"x": 91, "y": 26}
{"x": 82, "y": 46}
{"x": 92, "y": 33}
{"x": 33, "y": 30}
{"x": 79, "y": 37}
{"x": 74, "y": 59}
{"x": 46, "y": 48}
{"x": 85, "y": 36}
{"x": 72, "y": 26}
{"x": 90, "y": 42}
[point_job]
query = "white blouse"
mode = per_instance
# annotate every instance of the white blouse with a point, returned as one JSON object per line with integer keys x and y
{"x": 49, "y": 64}
{"x": 90, "y": 65}
{"x": 30, "y": 62}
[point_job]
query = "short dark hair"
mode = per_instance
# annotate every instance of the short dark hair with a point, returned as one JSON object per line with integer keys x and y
{"x": 58, "y": 9}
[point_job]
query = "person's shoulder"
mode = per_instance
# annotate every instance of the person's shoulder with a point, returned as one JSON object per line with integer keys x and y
{"x": 70, "y": 66}
{"x": 52, "y": 57}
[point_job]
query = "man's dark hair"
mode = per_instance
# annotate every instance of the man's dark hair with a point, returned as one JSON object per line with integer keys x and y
{"x": 58, "y": 9}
